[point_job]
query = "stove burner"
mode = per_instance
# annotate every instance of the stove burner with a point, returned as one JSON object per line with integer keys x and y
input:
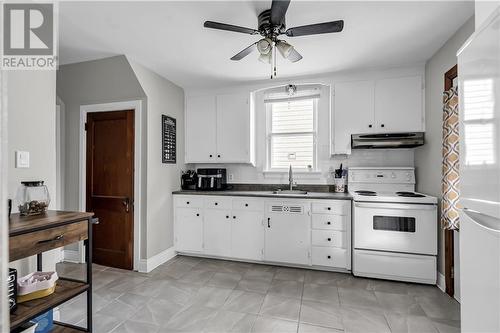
{"x": 366, "y": 193}
{"x": 410, "y": 195}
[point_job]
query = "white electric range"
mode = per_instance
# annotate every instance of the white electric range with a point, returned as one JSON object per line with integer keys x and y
{"x": 394, "y": 228}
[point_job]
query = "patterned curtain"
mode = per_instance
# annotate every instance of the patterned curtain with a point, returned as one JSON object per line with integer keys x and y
{"x": 450, "y": 181}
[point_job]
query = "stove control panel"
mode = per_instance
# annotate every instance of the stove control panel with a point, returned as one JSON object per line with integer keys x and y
{"x": 382, "y": 176}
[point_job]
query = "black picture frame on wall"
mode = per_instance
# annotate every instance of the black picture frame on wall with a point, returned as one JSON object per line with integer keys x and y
{"x": 169, "y": 140}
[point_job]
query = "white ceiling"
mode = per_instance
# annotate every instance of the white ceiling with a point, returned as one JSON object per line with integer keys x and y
{"x": 169, "y": 38}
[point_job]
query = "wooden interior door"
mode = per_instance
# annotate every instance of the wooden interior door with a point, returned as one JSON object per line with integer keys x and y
{"x": 110, "y": 186}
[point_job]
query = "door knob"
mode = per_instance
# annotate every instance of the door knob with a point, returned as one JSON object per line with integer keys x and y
{"x": 126, "y": 203}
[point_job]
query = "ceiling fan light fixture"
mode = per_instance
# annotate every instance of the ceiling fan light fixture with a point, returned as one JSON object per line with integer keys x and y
{"x": 265, "y": 58}
{"x": 264, "y": 45}
{"x": 284, "y": 48}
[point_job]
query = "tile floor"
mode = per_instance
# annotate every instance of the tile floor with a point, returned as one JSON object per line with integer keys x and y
{"x": 190, "y": 294}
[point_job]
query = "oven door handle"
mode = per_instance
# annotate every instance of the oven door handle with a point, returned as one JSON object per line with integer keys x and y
{"x": 395, "y": 206}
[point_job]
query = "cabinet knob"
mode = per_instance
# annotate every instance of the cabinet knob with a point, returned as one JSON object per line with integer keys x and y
{"x": 197, "y": 214}
{"x": 382, "y": 125}
{"x": 329, "y": 257}
{"x": 216, "y": 203}
{"x": 227, "y": 216}
{"x": 187, "y": 202}
{"x": 370, "y": 126}
{"x": 246, "y": 205}
{"x": 234, "y": 217}
{"x": 329, "y": 208}
{"x": 329, "y": 239}
{"x": 328, "y": 222}
{"x": 211, "y": 155}
{"x": 218, "y": 155}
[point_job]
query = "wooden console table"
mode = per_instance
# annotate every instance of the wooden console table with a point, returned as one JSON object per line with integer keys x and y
{"x": 33, "y": 235}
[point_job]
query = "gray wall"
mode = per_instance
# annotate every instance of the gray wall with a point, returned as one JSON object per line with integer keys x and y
{"x": 428, "y": 157}
{"x": 91, "y": 82}
{"x": 163, "y": 97}
{"x": 31, "y": 108}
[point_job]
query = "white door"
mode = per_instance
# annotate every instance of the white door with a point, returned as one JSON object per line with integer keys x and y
{"x": 247, "y": 240}
{"x": 189, "y": 229}
{"x": 217, "y": 232}
{"x": 398, "y": 105}
{"x": 201, "y": 129}
{"x": 233, "y": 128}
{"x": 353, "y": 113}
{"x": 287, "y": 233}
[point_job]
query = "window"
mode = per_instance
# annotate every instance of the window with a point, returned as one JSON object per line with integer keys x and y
{"x": 291, "y": 129}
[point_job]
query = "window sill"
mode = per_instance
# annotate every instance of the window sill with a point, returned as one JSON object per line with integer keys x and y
{"x": 297, "y": 174}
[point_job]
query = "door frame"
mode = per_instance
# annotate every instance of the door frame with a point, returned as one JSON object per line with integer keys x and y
{"x": 449, "y": 259}
{"x": 135, "y": 105}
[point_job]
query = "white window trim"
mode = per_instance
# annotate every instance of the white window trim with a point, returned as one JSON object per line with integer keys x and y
{"x": 267, "y": 164}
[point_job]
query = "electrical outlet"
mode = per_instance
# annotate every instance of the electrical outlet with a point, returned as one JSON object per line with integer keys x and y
{"x": 22, "y": 159}
{"x": 230, "y": 177}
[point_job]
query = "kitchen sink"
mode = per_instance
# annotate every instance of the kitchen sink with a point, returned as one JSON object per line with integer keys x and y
{"x": 298, "y": 192}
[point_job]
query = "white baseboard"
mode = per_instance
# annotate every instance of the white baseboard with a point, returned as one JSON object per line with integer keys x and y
{"x": 72, "y": 256}
{"x": 441, "y": 282}
{"x": 147, "y": 265}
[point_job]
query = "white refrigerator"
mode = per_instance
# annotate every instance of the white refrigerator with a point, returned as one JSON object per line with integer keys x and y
{"x": 479, "y": 89}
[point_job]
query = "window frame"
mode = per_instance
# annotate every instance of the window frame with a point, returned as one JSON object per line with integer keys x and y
{"x": 270, "y": 135}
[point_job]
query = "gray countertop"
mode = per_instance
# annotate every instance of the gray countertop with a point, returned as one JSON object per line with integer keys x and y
{"x": 270, "y": 194}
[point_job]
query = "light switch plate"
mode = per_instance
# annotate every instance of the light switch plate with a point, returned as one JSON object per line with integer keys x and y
{"x": 22, "y": 159}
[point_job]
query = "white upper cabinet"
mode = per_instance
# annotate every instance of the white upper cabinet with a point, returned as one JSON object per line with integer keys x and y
{"x": 353, "y": 113}
{"x": 398, "y": 105}
{"x": 219, "y": 129}
{"x": 201, "y": 129}
{"x": 387, "y": 105}
{"x": 233, "y": 128}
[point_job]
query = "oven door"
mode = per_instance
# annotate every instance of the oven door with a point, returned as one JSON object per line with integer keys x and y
{"x": 395, "y": 227}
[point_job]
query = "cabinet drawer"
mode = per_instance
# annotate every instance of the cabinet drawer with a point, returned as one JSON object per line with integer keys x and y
{"x": 329, "y": 256}
{"x": 330, "y": 207}
{"x": 329, "y": 222}
{"x": 189, "y": 201}
{"x": 248, "y": 204}
{"x": 329, "y": 238}
{"x": 25, "y": 245}
{"x": 218, "y": 202}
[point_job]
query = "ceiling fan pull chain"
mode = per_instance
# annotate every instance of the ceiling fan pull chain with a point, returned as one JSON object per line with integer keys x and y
{"x": 274, "y": 49}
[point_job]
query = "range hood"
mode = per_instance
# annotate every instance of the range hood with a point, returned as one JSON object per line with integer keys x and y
{"x": 387, "y": 140}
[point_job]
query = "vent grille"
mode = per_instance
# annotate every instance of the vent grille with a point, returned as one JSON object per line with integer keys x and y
{"x": 287, "y": 209}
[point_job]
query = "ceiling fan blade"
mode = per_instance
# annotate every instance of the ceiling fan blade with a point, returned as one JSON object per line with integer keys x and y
{"x": 242, "y": 54}
{"x": 229, "y": 27}
{"x": 314, "y": 29}
{"x": 294, "y": 56}
{"x": 278, "y": 11}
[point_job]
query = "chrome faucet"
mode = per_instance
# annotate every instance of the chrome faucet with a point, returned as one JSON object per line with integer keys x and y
{"x": 290, "y": 178}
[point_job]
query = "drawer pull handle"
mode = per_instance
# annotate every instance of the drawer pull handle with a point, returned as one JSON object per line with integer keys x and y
{"x": 329, "y": 239}
{"x": 269, "y": 222}
{"x": 329, "y": 257}
{"x": 328, "y": 222}
{"x": 55, "y": 239}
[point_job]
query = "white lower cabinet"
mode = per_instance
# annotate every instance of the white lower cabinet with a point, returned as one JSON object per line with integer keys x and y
{"x": 247, "y": 235}
{"x": 189, "y": 230}
{"x": 217, "y": 232}
{"x": 271, "y": 230}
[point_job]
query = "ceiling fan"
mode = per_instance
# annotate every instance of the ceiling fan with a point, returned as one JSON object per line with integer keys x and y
{"x": 271, "y": 25}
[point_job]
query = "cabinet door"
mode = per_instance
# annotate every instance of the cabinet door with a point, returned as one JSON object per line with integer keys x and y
{"x": 201, "y": 129}
{"x": 217, "y": 232}
{"x": 233, "y": 128}
{"x": 188, "y": 229}
{"x": 287, "y": 234}
{"x": 353, "y": 113}
{"x": 398, "y": 105}
{"x": 247, "y": 240}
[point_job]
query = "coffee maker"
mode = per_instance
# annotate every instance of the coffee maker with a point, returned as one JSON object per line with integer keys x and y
{"x": 211, "y": 179}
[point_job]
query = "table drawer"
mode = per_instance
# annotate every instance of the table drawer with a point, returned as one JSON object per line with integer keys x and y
{"x": 29, "y": 244}
{"x": 248, "y": 204}
{"x": 329, "y": 256}
{"x": 329, "y": 222}
{"x": 329, "y": 238}
{"x": 215, "y": 202}
{"x": 330, "y": 207}
{"x": 189, "y": 201}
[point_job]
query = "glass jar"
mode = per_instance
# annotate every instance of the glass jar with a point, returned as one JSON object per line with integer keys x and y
{"x": 32, "y": 198}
